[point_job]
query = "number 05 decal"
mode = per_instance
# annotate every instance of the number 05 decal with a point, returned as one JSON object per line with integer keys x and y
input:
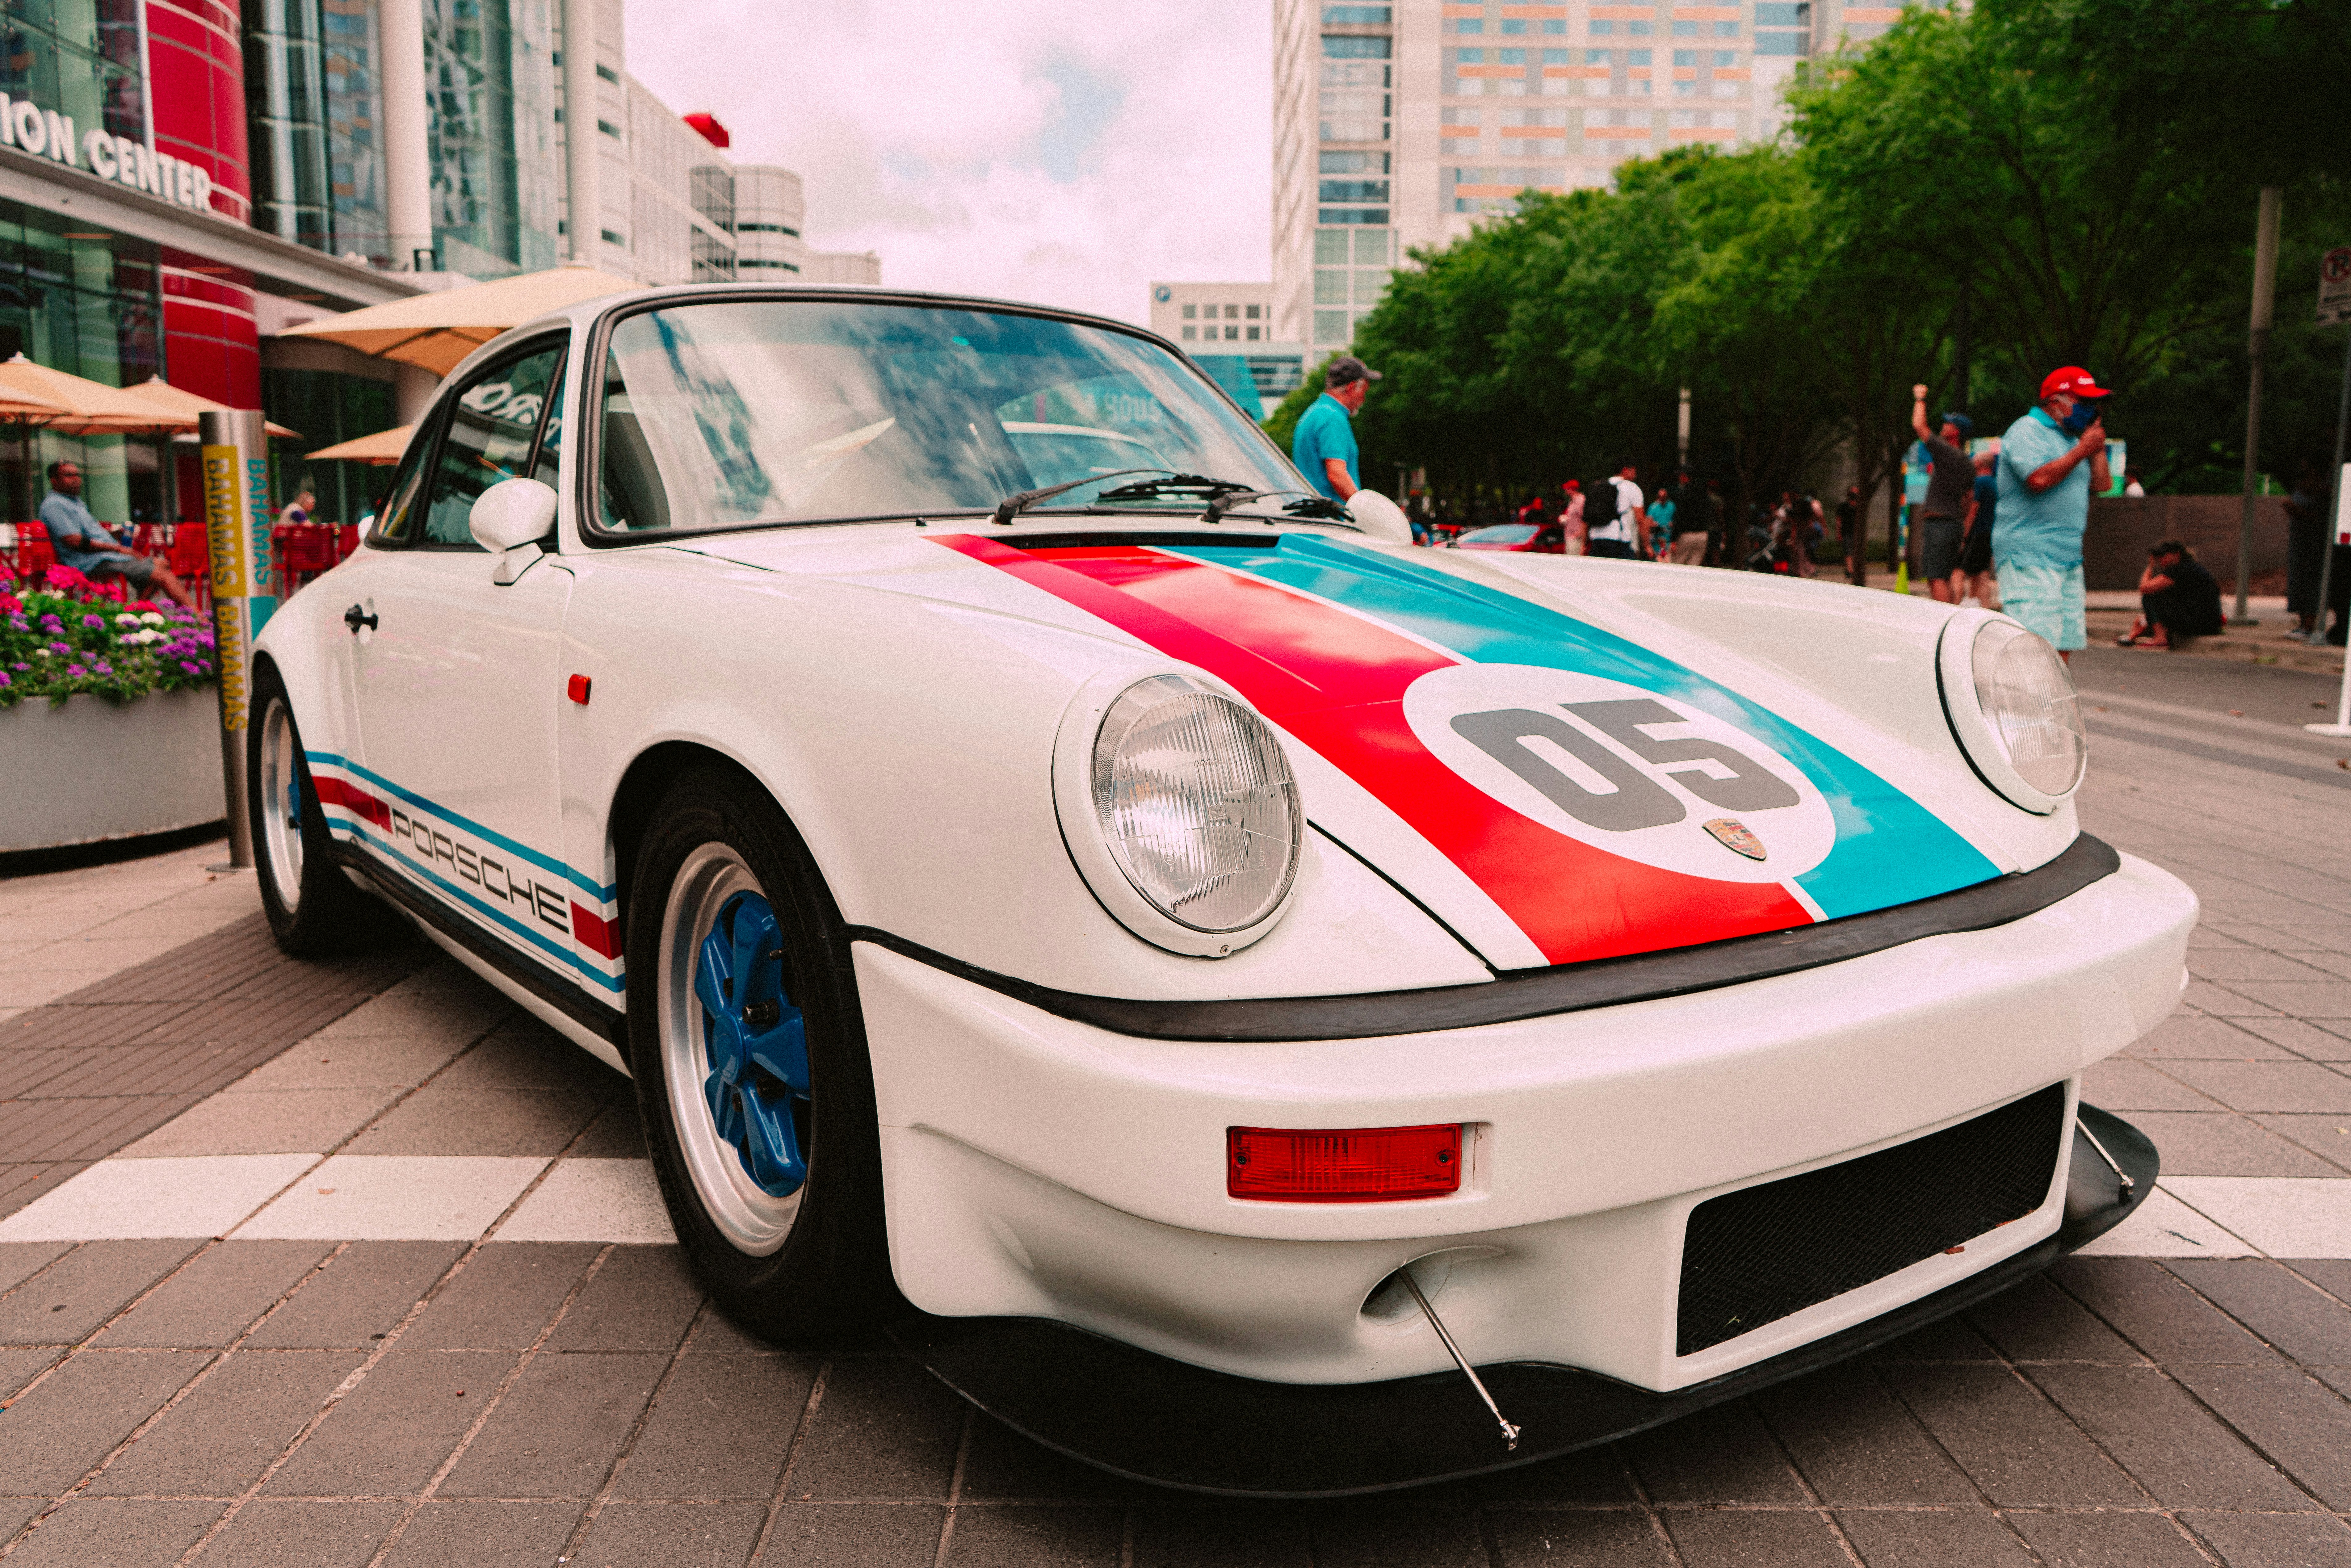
{"x": 1623, "y": 770}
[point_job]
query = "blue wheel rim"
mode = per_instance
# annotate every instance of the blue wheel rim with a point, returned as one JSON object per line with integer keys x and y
{"x": 757, "y": 1086}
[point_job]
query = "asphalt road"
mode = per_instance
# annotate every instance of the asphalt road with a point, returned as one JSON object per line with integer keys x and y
{"x": 447, "y": 1325}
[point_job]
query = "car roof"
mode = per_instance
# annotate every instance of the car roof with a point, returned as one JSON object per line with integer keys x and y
{"x": 584, "y": 315}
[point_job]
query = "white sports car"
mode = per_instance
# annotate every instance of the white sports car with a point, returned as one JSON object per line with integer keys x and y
{"x": 1252, "y": 1004}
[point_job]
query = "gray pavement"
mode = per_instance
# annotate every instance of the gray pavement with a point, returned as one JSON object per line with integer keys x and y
{"x": 463, "y": 1338}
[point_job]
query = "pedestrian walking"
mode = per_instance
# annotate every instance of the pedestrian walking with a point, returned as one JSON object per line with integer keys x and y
{"x": 1950, "y": 496}
{"x": 1851, "y": 537}
{"x": 1625, "y": 536}
{"x": 2050, "y": 461}
{"x": 1691, "y": 529}
{"x": 1323, "y": 444}
{"x": 2305, "y": 550}
{"x": 1978, "y": 585}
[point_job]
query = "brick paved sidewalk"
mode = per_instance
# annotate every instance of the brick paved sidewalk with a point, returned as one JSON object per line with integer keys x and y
{"x": 474, "y": 1346}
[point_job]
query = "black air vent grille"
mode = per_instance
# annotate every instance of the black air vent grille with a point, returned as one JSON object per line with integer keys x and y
{"x": 1755, "y": 1256}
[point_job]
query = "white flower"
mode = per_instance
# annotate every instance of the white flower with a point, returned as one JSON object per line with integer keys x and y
{"x": 126, "y": 621}
{"x": 151, "y": 619}
{"x": 44, "y": 652}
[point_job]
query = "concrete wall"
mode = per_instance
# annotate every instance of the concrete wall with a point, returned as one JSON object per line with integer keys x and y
{"x": 2114, "y": 551}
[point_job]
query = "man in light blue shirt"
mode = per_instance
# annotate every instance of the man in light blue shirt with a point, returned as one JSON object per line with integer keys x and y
{"x": 80, "y": 541}
{"x": 1323, "y": 444}
{"x": 2050, "y": 462}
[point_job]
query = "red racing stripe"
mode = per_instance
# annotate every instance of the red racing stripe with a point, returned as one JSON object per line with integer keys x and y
{"x": 1336, "y": 681}
{"x": 333, "y": 791}
{"x": 593, "y": 932}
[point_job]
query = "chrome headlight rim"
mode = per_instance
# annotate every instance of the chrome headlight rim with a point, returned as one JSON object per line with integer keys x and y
{"x": 1976, "y": 734}
{"x": 1089, "y": 848}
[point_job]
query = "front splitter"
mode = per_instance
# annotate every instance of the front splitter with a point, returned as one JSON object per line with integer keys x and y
{"x": 1174, "y": 1425}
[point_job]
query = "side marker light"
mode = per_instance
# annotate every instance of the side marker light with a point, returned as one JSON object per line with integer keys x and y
{"x": 1341, "y": 1164}
{"x": 577, "y": 690}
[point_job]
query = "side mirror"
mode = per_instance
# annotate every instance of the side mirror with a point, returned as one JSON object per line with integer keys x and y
{"x": 1379, "y": 517}
{"x": 512, "y": 513}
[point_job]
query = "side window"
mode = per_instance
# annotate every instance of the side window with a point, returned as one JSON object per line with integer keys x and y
{"x": 492, "y": 426}
{"x": 396, "y": 519}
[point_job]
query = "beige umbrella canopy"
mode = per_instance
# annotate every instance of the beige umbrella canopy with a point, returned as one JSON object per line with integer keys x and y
{"x": 383, "y": 446}
{"x": 176, "y": 410}
{"x": 437, "y": 330}
{"x": 74, "y": 405}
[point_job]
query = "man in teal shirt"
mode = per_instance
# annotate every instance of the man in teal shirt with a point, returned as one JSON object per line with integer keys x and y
{"x": 2050, "y": 462}
{"x": 1323, "y": 444}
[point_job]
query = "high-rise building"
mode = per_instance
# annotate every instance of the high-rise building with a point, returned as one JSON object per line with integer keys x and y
{"x": 1399, "y": 125}
{"x": 1227, "y": 328}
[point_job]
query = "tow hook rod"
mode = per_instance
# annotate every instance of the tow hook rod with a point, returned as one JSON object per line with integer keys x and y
{"x": 2128, "y": 1186}
{"x": 1509, "y": 1433}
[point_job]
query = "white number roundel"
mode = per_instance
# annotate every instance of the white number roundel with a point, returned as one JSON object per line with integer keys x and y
{"x": 1624, "y": 770}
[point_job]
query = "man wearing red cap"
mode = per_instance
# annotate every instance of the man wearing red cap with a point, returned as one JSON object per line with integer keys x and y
{"x": 2050, "y": 461}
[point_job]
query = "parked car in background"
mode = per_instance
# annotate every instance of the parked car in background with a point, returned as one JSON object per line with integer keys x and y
{"x": 1538, "y": 539}
{"x": 1250, "y": 1003}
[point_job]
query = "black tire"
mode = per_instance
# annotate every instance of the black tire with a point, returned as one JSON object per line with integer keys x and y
{"x": 828, "y": 1273}
{"x": 314, "y": 909}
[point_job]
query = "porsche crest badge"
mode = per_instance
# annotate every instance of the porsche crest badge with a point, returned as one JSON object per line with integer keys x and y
{"x": 1735, "y": 836}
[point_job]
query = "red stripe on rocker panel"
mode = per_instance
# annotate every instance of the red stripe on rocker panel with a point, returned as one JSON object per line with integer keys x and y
{"x": 1336, "y": 681}
{"x": 333, "y": 791}
{"x": 593, "y": 932}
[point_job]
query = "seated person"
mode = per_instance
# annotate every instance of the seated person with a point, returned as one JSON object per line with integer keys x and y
{"x": 83, "y": 543}
{"x": 2177, "y": 599}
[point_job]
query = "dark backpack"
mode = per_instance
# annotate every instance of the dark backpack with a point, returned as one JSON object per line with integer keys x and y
{"x": 1599, "y": 504}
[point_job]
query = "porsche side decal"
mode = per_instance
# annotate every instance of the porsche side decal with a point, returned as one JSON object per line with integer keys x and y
{"x": 1479, "y": 718}
{"x": 501, "y": 884}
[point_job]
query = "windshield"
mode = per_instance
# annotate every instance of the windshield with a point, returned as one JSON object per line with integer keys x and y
{"x": 776, "y": 411}
{"x": 1500, "y": 534}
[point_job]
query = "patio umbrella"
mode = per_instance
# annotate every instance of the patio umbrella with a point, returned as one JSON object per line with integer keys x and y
{"x": 382, "y": 448}
{"x": 437, "y": 330}
{"x": 177, "y": 409}
{"x": 74, "y": 405}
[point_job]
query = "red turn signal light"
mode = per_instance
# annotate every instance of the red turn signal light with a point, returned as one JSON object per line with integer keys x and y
{"x": 577, "y": 690}
{"x": 1341, "y": 1164}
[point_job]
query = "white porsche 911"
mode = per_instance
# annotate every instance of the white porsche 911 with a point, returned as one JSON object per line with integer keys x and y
{"x": 1252, "y": 1004}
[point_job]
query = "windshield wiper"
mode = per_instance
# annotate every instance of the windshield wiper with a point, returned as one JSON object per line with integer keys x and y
{"x": 1148, "y": 488}
{"x": 1307, "y": 506}
{"x": 1013, "y": 506}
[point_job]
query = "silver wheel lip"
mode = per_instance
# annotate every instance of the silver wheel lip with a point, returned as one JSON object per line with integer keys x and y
{"x": 281, "y": 838}
{"x": 754, "y": 1221}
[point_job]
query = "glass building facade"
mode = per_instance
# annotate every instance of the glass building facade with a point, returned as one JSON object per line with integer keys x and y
{"x": 489, "y": 71}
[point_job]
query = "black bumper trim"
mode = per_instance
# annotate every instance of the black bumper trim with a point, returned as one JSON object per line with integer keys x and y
{"x": 1171, "y": 1423}
{"x": 1540, "y": 993}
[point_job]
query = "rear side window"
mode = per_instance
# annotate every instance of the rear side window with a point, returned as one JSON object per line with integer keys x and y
{"x": 493, "y": 425}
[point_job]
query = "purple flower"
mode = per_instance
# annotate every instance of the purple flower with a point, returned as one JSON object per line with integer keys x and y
{"x": 95, "y": 623}
{"x": 51, "y": 623}
{"x": 76, "y": 670}
{"x": 60, "y": 648}
{"x": 192, "y": 669}
{"x": 4, "y": 681}
{"x": 104, "y": 668}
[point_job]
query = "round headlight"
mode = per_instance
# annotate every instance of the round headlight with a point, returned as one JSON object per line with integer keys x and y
{"x": 2023, "y": 729}
{"x": 1197, "y": 805}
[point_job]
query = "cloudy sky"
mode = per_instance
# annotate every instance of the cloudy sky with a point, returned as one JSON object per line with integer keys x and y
{"x": 1068, "y": 153}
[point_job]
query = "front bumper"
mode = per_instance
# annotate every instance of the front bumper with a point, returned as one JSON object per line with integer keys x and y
{"x": 1175, "y": 1425}
{"x": 1041, "y": 1167}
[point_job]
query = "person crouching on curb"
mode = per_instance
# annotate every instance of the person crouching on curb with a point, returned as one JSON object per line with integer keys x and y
{"x": 2177, "y": 599}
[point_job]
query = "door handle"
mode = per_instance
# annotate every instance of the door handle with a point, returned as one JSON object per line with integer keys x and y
{"x": 354, "y": 617}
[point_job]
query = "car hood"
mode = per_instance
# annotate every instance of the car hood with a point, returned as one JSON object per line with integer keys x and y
{"x": 1553, "y": 773}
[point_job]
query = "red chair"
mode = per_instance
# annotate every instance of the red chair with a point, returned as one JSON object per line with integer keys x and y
{"x": 192, "y": 560}
{"x": 33, "y": 556}
{"x": 304, "y": 550}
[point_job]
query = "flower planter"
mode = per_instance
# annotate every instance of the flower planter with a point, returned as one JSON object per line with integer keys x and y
{"x": 90, "y": 770}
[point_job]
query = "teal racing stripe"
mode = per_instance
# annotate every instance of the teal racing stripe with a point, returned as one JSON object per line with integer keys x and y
{"x": 1889, "y": 848}
{"x": 537, "y": 938}
{"x": 586, "y": 883}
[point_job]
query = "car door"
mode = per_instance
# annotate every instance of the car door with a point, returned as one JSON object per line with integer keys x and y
{"x": 457, "y": 678}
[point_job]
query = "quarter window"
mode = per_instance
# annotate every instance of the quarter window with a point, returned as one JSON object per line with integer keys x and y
{"x": 492, "y": 428}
